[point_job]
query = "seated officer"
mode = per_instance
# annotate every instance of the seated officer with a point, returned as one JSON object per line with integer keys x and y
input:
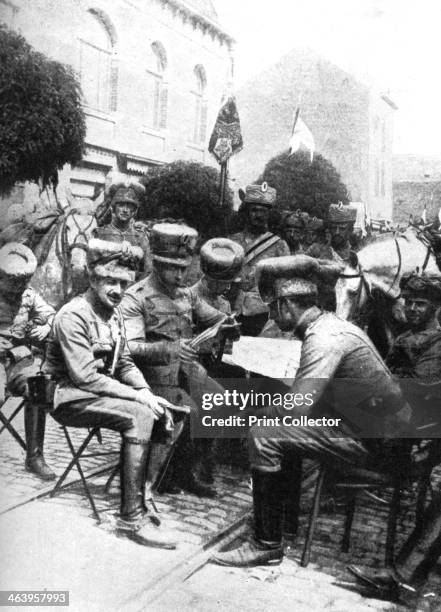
{"x": 159, "y": 314}
{"x": 98, "y": 385}
{"x": 25, "y": 320}
{"x": 367, "y": 400}
{"x": 125, "y": 199}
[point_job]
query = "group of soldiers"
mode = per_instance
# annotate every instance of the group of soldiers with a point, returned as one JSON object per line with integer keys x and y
{"x": 122, "y": 357}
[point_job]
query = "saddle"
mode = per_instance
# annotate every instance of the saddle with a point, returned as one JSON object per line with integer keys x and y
{"x": 31, "y": 230}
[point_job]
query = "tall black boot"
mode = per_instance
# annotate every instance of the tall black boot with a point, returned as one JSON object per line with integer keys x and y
{"x": 266, "y": 546}
{"x": 35, "y": 423}
{"x": 134, "y": 521}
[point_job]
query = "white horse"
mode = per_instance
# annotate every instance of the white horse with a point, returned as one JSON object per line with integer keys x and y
{"x": 372, "y": 278}
{"x": 61, "y": 272}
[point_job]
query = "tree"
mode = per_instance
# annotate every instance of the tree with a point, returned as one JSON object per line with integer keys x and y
{"x": 300, "y": 184}
{"x": 189, "y": 191}
{"x": 42, "y": 124}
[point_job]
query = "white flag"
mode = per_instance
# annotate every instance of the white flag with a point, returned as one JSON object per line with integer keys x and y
{"x": 302, "y": 136}
{"x": 424, "y": 215}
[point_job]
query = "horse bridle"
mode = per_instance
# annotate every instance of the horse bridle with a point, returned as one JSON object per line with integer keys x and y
{"x": 64, "y": 252}
{"x": 361, "y": 274}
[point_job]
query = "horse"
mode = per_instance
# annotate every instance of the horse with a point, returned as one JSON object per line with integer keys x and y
{"x": 368, "y": 289}
{"x": 61, "y": 254}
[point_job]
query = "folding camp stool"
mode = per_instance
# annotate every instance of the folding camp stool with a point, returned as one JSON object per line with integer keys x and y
{"x": 7, "y": 422}
{"x": 367, "y": 480}
{"x": 76, "y": 456}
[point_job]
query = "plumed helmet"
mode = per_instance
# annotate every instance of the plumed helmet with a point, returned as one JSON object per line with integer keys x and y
{"x": 293, "y": 276}
{"x": 222, "y": 259}
{"x": 259, "y": 194}
{"x": 118, "y": 260}
{"x": 17, "y": 261}
{"x": 173, "y": 243}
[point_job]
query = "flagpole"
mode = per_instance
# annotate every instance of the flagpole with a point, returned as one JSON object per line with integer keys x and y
{"x": 223, "y": 182}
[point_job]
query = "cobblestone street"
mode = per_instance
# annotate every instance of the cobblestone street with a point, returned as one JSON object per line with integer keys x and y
{"x": 55, "y": 543}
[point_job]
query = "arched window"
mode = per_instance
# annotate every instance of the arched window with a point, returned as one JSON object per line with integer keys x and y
{"x": 98, "y": 68}
{"x": 199, "y": 105}
{"x": 157, "y": 93}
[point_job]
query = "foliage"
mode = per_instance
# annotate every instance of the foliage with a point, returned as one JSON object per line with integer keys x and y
{"x": 300, "y": 184}
{"x": 42, "y": 124}
{"x": 189, "y": 191}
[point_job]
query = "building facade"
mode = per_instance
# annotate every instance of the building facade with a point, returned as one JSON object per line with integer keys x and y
{"x": 416, "y": 187}
{"x": 352, "y": 125}
{"x": 152, "y": 74}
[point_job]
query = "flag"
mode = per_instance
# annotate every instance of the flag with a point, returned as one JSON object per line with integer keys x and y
{"x": 301, "y": 136}
{"x": 226, "y": 138}
{"x": 424, "y": 215}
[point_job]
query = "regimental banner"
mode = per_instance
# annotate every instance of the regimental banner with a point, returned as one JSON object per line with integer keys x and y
{"x": 226, "y": 138}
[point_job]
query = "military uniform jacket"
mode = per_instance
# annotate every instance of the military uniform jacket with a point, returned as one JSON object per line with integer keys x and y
{"x": 417, "y": 355}
{"x": 136, "y": 234}
{"x": 248, "y": 302}
{"x": 156, "y": 322}
{"x": 81, "y": 352}
{"x": 337, "y": 353}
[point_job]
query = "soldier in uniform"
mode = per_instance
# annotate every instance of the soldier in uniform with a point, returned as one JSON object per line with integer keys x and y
{"x": 415, "y": 355}
{"x": 125, "y": 199}
{"x": 25, "y": 320}
{"x": 98, "y": 385}
{"x": 221, "y": 262}
{"x": 340, "y": 221}
{"x": 294, "y": 231}
{"x": 332, "y": 349}
{"x": 160, "y": 315}
{"x": 258, "y": 243}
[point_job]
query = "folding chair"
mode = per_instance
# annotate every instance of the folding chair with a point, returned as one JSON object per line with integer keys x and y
{"x": 7, "y": 422}
{"x": 78, "y": 454}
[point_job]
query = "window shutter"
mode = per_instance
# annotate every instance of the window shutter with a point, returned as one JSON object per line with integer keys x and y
{"x": 113, "y": 85}
{"x": 163, "y": 108}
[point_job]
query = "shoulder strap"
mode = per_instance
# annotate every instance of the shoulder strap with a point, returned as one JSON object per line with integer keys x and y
{"x": 268, "y": 240}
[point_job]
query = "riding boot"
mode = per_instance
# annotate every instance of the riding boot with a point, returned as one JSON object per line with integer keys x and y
{"x": 158, "y": 461}
{"x": 134, "y": 521}
{"x": 266, "y": 546}
{"x": 291, "y": 485}
{"x": 205, "y": 460}
{"x": 35, "y": 422}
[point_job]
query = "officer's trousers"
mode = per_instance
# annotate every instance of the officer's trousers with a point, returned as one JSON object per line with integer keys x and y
{"x": 132, "y": 419}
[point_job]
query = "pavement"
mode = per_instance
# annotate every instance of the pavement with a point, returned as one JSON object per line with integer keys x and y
{"x": 55, "y": 544}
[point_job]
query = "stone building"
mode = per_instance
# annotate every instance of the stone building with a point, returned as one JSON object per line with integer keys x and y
{"x": 351, "y": 124}
{"x": 416, "y": 186}
{"x": 152, "y": 73}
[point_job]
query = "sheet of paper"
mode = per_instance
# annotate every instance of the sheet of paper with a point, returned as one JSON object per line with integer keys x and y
{"x": 272, "y": 357}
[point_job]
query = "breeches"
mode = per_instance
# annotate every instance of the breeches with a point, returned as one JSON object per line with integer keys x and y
{"x": 18, "y": 374}
{"x": 269, "y": 445}
{"x": 132, "y": 419}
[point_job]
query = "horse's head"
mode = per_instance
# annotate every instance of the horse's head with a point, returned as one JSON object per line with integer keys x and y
{"x": 352, "y": 290}
{"x": 75, "y": 234}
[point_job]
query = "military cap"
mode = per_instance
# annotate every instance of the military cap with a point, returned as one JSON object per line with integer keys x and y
{"x": 295, "y": 219}
{"x": 293, "y": 276}
{"x": 259, "y": 194}
{"x": 126, "y": 191}
{"x": 17, "y": 261}
{"x": 222, "y": 259}
{"x": 422, "y": 285}
{"x": 173, "y": 243}
{"x": 113, "y": 259}
{"x": 341, "y": 213}
{"x": 314, "y": 224}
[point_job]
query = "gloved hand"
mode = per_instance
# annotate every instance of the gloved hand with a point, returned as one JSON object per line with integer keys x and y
{"x": 187, "y": 354}
{"x": 145, "y": 396}
{"x": 230, "y": 329}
